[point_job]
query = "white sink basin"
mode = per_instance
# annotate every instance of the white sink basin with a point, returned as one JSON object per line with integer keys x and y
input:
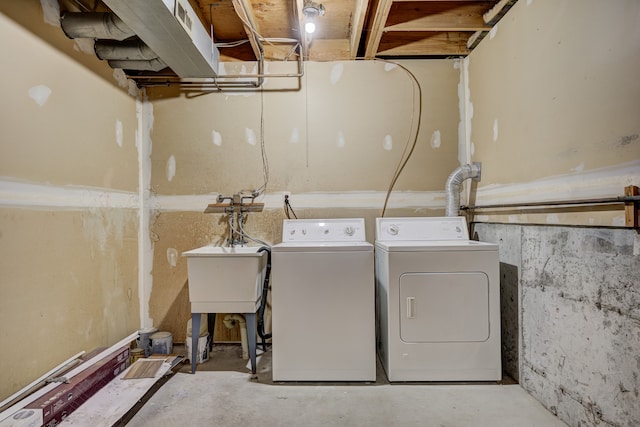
{"x": 224, "y": 279}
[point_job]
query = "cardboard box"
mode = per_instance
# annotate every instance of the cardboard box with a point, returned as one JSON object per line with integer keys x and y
{"x": 50, "y": 409}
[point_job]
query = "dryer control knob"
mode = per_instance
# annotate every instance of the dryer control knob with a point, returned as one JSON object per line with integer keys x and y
{"x": 349, "y": 231}
{"x": 393, "y": 230}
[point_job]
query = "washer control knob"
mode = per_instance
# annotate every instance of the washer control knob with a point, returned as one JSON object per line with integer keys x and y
{"x": 393, "y": 230}
{"x": 304, "y": 231}
{"x": 326, "y": 231}
{"x": 349, "y": 231}
{"x": 292, "y": 232}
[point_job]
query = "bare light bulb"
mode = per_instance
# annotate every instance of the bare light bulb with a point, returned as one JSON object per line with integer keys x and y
{"x": 309, "y": 27}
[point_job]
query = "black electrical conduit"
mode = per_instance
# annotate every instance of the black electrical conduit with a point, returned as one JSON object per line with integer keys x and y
{"x": 263, "y": 301}
{"x": 601, "y": 201}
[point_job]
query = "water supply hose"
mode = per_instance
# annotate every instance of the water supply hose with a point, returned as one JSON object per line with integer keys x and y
{"x": 263, "y": 302}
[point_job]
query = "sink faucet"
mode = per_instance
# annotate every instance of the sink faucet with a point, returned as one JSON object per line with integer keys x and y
{"x": 237, "y": 208}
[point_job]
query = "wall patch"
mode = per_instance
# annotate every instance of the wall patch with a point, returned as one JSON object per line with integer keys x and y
{"x": 171, "y": 168}
{"x": 40, "y": 94}
{"x": 336, "y": 73}
{"x": 495, "y": 130}
{"x": 388, "y": 143}
{"x": 51, "y": 12}
{"x": 578, "y": 168}
{"x": 217, "y": 138}
{"x": 493, "y": 32}
{"x": 250, "y": 135}
{"x": 119, "y": 133}
{"x": 340, "y": 141}
{"x": 435, "y": 139}
{"x": 172, "y": 257}
{"x": 295, "y": 136}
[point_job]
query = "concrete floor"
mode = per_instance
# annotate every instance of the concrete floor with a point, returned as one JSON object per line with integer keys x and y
{"x": 223, "y": 393}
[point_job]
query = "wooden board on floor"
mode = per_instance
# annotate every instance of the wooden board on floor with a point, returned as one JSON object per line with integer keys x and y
{"x": 109, "y": 405}
{"x": 143, "y": 368}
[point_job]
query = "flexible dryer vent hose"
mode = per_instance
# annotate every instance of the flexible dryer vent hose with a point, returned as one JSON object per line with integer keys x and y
{"x": 454, "y": 182}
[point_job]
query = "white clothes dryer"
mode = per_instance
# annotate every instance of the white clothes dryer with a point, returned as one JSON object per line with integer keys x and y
{"x": 438, "y": 301}
{"x": 323, "y": 302}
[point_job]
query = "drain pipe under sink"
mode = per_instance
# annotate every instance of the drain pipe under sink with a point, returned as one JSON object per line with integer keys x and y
{"x": 454, "y": 181}
{"x": 230, "y": 321}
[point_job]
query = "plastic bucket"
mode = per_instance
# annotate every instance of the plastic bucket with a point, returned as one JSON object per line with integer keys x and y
{"x": 162, "y": 343}
{"x": 203, "y": 349}
{"x": 144, "y": 340}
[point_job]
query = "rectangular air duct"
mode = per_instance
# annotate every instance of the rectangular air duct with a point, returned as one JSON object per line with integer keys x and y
{"x": 173, "y": 31}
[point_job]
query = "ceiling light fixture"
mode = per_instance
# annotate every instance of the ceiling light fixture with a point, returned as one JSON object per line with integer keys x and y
{"x": 311, "y": 10}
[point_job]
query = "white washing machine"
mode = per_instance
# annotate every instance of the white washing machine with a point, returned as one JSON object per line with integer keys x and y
{"x": 323, "y": 302}
{"x": 438, "y": 296}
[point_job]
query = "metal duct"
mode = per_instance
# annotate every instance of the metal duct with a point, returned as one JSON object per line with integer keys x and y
{"x": 453, "y": 185}
{"x": 150, "y": 65}
{"x": 95, "y": 25}
{"x": 134, "y": 49}
{"x": 185, "y": 46}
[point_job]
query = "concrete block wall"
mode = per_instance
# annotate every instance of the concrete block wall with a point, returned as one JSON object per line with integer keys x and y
{"x": 576, "y": 294}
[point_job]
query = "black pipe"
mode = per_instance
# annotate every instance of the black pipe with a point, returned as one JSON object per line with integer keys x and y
{"x": 602, "y": 201}
{"x": 263, "y": 301}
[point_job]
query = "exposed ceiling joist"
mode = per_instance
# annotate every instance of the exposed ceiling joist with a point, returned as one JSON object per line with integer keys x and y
{"x": 244, "y": 30}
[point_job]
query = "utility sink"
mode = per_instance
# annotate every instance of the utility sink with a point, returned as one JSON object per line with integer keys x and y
{"x": 225, "y": 279}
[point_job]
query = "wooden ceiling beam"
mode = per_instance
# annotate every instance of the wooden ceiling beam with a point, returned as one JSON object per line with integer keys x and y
{"x": 380, "y": 16}
{"x": 440, "y": 16}
{"x": 420, "y": 44}
{"x": 244, "y": 10}
{"x": 357, "y": 25}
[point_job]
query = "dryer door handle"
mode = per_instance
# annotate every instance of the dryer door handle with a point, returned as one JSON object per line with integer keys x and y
{"x": 411, "y": 307}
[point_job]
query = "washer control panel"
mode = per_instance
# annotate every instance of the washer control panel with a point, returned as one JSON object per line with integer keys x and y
{"x": 323, "y": 230}
{"x": 422, "y": 228}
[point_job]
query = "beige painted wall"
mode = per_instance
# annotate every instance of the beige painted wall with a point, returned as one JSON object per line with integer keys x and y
{"x": 555, "y": 102}
{"x": 68, "y": 207}
{"x": 329, "y": 145}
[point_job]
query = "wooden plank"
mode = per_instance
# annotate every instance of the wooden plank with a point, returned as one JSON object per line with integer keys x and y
{"x": 244, "y": 11}
{"x": 143, "y": 368}
{"x": 357, "y": 25}
{"x": 82, "y": 367}
{"x": 113, "y": 401}
{"x": 417, "y": 44}
{"x": 437, "y": 16}
{"x": 330, "y": 50}
{"x": 632, "y": 209}
{"x": 374, "y": 37}
{"x": 304, "y": 38}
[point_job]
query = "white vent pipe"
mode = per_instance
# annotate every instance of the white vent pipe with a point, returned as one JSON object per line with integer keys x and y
{"x": 133, "y": 50}
{"x": 95, "y": 25}
{"x": 230, "y": 322}
{"x": 454, "y": 181}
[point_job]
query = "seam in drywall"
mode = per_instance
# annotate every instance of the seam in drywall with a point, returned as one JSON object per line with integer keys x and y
{"x": 319, "y": 200}
{"x": 144, "y": 112}
{"x": 602, "y": 182}
{"x": 21, "y": 194}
